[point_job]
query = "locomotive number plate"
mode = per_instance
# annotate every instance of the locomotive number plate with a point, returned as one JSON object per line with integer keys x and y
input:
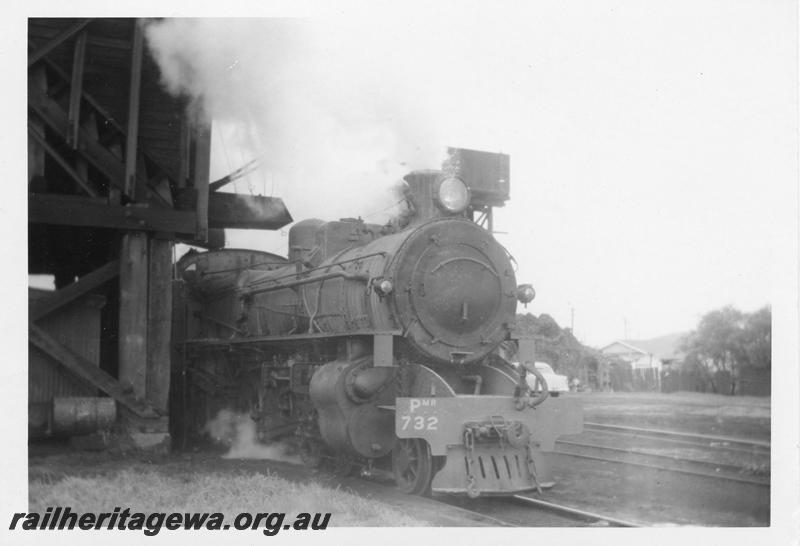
{"x": 440, "y": 421}
{"x": 415, "y": 415}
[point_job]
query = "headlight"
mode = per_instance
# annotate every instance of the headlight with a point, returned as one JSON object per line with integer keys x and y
{"x": 525, "y": 293}
{"x": 452, "y": 195}
{"x": 386, "y": 287}
{"x": 383, "y": 287}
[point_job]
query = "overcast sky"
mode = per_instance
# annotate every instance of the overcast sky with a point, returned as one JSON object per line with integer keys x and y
{"x": 653, "y": 144}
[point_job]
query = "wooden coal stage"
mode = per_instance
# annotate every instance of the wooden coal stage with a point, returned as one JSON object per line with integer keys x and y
{"x": 118, "y": 171}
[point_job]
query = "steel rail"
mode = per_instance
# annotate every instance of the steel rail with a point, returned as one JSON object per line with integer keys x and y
{"x": 753, "y": 450}
{"x": 635, "y": 451}
{"x": 675, "y": 434}
{"x": 668, "y": 469}
{"x": 576, "y": 512}
{"x": 478, "y": 515}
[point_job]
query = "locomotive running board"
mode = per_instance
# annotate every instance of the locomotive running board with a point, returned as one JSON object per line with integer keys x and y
{"x": 210, "y": 342}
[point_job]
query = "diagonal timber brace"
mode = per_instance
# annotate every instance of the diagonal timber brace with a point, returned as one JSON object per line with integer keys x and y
{"x": 75, "y": 175}
{"x": 86, "y": 370}
{"x": 57, "y": 40}
{"x": 107, "y": 117}
{"x": 90, "y": 149}
{"x": 69, "y": 293}
{"x": 53, "y": 115}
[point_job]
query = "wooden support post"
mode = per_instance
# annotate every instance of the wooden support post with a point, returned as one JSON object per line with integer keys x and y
{"x": 76, "y": 90}
{"x": 133, "y": 312}
{"x": 202, "y": 160}
{"x": 134, "y": 94}
{"x": 183, "y": 154}
{"x": 37, "y": 80}
{"x": 159, "y": 323}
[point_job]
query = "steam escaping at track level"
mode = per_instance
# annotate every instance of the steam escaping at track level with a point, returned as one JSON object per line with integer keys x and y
{"x": 238, "y": 431}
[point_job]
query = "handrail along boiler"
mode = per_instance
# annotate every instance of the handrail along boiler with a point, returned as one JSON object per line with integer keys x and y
{"x": 376, "y": 346}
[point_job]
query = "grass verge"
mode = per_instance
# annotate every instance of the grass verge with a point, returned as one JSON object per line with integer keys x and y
{"x": 151, "y": 491}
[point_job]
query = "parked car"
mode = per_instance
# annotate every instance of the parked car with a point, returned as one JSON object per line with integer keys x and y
{"x": 556, "y": 383}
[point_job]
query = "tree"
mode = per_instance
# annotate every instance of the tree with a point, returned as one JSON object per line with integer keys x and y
{"x": 727, "y": 340}
{"x": 757, "y": 338}
{"x": 554, "y": 345}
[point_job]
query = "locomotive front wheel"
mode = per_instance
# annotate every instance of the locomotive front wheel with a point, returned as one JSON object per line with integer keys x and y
{"x": 412, "y": 464}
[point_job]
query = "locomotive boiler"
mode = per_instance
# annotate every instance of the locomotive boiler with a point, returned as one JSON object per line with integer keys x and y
{"x": 375, "y": 346}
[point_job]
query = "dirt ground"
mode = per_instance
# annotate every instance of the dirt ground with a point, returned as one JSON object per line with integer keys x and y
{"x": 662, "y": 497}
{"x": 701, "y": 413}
{"x": 644, "y": 495}
{"x": 656, "y": 497}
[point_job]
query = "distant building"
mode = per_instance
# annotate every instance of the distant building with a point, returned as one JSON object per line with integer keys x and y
{"x": 648, "y": 357}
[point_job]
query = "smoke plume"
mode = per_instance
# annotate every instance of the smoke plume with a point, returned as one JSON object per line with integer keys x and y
{"x": 238, "y": 431}
{"x": 332, "y": 122}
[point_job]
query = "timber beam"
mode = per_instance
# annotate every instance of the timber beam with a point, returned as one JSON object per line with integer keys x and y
{"x": 202, "y": 162}
{"x": 69, "y": 293}
{"x": 69, "y": 210}
{"x": 57, "y": 40}
{"x": 134, "y": 96}
{"x": 88, "y": 371}
{"x": 76, "y": 90}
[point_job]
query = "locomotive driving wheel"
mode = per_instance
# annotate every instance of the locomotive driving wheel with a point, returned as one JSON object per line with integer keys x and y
{"x": 413, "y": 466}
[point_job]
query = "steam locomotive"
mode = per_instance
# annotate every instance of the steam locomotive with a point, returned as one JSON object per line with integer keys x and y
{"x": 376, "y": 346}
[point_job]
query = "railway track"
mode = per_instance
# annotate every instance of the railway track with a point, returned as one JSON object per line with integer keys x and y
{"x": 577, "y": 513}
{"x": 636, "y": 447}
{"x": 705, "y": 440}
{"x": 516, "y": 511}
{"x": 706, "y": 449}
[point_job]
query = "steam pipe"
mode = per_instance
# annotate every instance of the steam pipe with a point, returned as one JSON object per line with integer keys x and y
{"x": 478, "y": 382}
{"x": 308, "y": 280}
